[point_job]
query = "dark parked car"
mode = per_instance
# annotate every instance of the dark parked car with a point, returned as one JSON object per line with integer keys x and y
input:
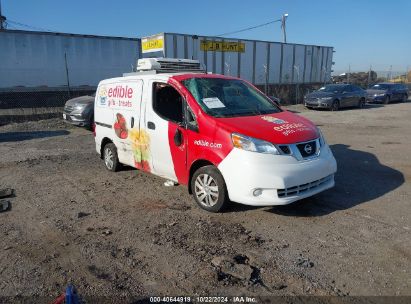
{"x": 336, "y": 96}
{"x": 386, "y": 92}
{"x": 79, "y": 111}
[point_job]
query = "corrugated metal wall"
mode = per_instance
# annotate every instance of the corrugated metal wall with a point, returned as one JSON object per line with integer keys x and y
{"x": 37, "y": 59}
{"x": 261, "y": 61}
{"x": 34, "y": 59}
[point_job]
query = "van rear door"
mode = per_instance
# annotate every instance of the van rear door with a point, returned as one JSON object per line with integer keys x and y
{"x": 120, "y": 108}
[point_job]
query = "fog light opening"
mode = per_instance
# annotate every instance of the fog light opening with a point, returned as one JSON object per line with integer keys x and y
{"x": 257, "y": 192}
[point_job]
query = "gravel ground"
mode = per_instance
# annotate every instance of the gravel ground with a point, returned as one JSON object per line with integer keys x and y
{"x": 124, "y": 234}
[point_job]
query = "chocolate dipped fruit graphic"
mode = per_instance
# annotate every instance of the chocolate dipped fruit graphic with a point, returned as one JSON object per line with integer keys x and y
{"x": 140, "y": 145}
{"x": 120, "y": 126}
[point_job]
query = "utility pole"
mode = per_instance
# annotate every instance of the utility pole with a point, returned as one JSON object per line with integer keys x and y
{"x": 283, "y": 19}
{"x": 2, "y": 20}
{"x": 369, "y": 78}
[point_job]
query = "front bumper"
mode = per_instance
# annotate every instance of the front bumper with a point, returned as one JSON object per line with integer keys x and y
{"x": 76, "y": 119}
{"x": 281, "y": 179}
{"x": 375, "y": 99}
{"x": 318, "y": 104}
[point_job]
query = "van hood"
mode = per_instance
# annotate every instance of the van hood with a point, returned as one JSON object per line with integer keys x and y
{"x": 278, "y": 128}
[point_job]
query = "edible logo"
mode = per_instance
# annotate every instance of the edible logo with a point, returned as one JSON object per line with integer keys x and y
{"x": 103, "y": 95}
{"x": 285, "y": 127}
{"x": 274, "y": 120}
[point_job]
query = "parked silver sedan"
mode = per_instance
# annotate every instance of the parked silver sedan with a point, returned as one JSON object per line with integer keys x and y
{"x": 336, "y": 96}
{"x": 79, "y": 111}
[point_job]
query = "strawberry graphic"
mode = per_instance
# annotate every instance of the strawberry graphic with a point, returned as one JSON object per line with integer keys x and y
{"x": 120, "y": 126}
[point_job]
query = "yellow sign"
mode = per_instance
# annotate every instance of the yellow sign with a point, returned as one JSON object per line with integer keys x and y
{"x": 154, "y": 44}
{"x": 222, "y": 46}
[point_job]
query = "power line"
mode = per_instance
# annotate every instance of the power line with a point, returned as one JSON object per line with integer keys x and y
{"x": 28, "y": 26}
{"x": 249, "y": 28}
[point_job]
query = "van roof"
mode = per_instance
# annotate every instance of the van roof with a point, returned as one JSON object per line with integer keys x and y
{"x": 164, "y": 76}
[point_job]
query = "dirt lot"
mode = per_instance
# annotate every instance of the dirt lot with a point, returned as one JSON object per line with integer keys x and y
{"x": 126, "y": 235}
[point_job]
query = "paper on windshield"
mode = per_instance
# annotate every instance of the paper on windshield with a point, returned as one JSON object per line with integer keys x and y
{"x": 213, "y": 103}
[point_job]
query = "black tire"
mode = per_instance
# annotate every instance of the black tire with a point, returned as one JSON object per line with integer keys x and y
{"x": 361, "y": 103}
{"x": 110, "y": 157}
{"x": 335, "y": 105}
{"x": 387, "y": 99}
{"x": 404, "y": 98}
{"x": 91, "y": 123}
{"x": 211, "y": 199}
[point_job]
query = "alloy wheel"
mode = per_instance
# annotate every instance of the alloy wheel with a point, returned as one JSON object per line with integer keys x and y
{"x": 206, "y": 190}
{"x": 108, "y": 158}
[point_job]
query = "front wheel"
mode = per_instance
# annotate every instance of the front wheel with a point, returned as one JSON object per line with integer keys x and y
{"x": 387, "y": 99}
{"x": 209, "y": 189}
{"x": 361, "y": 103}
{"x": 110, "y": 157}
{"x": 335, "y": 105}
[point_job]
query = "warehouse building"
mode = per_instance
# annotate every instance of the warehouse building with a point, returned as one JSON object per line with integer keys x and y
{"x": 46, "y": 61}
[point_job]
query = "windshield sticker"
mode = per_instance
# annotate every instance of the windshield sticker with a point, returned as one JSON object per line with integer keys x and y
{"x": 213, "y": 103}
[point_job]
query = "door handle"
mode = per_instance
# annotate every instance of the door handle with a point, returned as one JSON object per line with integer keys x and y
{"x": 132, "y": 122}
{"x": 151, "y": 125}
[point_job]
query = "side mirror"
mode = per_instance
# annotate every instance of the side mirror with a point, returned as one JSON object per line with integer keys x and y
{"x": 192, "y": 127}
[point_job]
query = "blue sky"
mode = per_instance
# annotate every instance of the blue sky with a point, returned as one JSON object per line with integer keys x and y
{"x": 363, "y": 32}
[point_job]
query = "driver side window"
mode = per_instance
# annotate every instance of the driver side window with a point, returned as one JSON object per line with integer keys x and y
{"x": 167, "y": 102}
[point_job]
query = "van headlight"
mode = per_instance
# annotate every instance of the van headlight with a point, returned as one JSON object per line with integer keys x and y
{"x": 253, "y": 145}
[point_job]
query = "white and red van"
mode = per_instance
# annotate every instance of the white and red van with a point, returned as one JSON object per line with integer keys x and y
{"x": 219, "y": 135}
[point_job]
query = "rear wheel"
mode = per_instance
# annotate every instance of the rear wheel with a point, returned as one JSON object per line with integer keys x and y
{"x": 335, "y": 105}
{"x": 404, "y": 98}
{"x": 110, "y": 157}
{"x": 209, "y": 189}
{"x": 387, "y": 99}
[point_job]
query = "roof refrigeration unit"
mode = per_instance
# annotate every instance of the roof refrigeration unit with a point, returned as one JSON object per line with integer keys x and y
{"x": 169, "y": 65}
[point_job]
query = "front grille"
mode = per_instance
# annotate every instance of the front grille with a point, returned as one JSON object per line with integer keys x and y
{"x": 68, "y": 109}
{"x": 307, "y": 149}
{"x": 301, "y": 189}
{"x": 285, "y": 149}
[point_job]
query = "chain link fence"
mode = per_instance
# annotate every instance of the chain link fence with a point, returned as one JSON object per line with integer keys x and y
{"x": 289, "y": 94}
{"x": 24, "y": 104}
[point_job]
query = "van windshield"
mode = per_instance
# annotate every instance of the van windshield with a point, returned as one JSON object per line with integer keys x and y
{"x": 221, "y": 97}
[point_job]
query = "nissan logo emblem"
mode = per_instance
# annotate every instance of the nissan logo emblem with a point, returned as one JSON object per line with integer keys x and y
{"x": 308, "y": 149}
